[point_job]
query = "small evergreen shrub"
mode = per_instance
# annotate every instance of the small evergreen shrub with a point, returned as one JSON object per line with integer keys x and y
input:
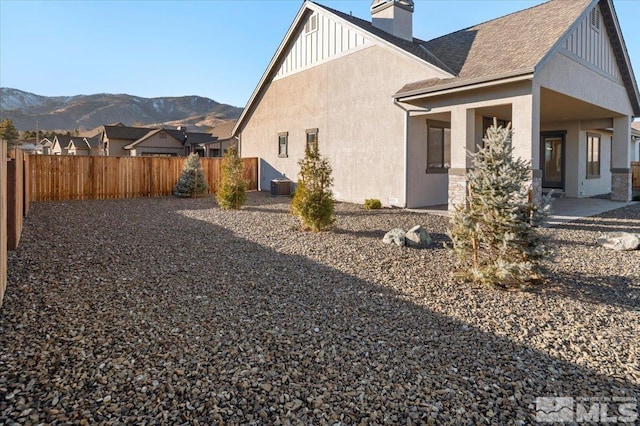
{"x": 313, "y": 201}
{"x": 192, "y": 182}
{"x": 495, "y": 232}
{"x": 232, "y": 193}
{"x": 372, "y": 204}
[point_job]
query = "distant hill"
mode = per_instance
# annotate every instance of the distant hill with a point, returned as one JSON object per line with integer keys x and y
{"x": 90, "y": 111}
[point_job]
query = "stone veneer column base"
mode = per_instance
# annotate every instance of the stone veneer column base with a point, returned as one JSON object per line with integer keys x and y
{"x": 621, "y": 185}
{"x": 457, "y": 187}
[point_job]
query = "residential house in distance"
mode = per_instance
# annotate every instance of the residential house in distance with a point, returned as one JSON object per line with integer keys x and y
{"x": 120, "y": 140}
{"x": 60, "y": 145}
{"x": 396, "y": 115}
{"x": 79, "y": 145}
{"x": 223, "y": 140}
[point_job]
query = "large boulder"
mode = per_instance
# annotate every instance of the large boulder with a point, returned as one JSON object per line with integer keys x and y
{"x": 396, "y": 236}
{"x": 417, "y": 237}
{"x": 619, "y": 241}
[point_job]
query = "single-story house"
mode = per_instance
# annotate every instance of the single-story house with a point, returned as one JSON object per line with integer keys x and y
{"x": 59, "y": 145}
{"x": 396, "y": 115}
{"x": 171, "y": 142}
{"x": 219, "y": 145}
{"x": 79, "y": 145}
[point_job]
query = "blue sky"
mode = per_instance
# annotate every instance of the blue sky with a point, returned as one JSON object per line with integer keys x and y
{"x": 218, "y": 49}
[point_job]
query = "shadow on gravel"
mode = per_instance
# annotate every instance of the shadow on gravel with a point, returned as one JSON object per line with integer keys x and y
{"x": 617, "y": 291}
{"x": 178, "y": 320}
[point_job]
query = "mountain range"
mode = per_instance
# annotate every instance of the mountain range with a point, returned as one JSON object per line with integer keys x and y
{"x": 84, "y": 112}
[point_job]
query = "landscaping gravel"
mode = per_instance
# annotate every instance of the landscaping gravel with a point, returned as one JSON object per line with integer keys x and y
{"x": 172, "y": 311}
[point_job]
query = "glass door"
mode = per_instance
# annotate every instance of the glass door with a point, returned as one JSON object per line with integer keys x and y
{"x": 552, "y": 157}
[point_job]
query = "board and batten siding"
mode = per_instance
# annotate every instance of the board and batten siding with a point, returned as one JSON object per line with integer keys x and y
{"x": 327, "y": 41}
{"x": 589, "y": 42}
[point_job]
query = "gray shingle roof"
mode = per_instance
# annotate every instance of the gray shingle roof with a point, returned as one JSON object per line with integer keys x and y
{"x": 125, "y": 132}
{"x": 505, "y": 45}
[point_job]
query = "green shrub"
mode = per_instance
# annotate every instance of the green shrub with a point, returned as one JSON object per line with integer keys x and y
{"x": 495, "y": 231}
{"x": 372, "y": 204}
{"x": 313, "y": 201}
{"x": 192, "y": 181}
{"x": 232, "y": 192}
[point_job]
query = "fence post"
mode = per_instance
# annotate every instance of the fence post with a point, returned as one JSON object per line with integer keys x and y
{"x": 3, "y": 218}
{"x": 15, "y": 201}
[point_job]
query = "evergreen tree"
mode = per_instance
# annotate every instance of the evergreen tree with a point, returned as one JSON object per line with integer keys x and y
{"x": 9, "y": 133}
{"x": 313, "y": 201}
{"x": 232, "y": 193}
{"x": 192, "y": 182}
{"x": 495, "y": 232}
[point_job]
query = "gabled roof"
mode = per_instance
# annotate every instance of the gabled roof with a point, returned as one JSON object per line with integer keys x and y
{"x": 179, "y": 135}
{"x": 62, "y": 140}
{"x": 503, "y": 49}
{"x": 224, "y": 130}
{"x": 124, "y": 132}
{"x": 413, "y": 49}
{"x": 153, "y": 132}
{"x": 517, "y": 44}
{"x": 78, "y": 143}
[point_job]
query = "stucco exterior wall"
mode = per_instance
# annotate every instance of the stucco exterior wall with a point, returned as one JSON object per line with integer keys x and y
{"x": 360, "y": 130}
{"x": 566, "y": 75}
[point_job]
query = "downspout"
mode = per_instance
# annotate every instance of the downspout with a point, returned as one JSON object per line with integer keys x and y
{"x": 407, "y": 112}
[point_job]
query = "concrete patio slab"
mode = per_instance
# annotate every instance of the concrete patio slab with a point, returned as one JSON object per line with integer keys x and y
{"x": 564, "y": 209}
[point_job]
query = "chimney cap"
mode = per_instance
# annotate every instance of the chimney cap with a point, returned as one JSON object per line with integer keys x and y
{"x": 382, "y": 4}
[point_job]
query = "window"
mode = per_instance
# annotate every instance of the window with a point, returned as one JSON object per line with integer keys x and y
{"x": 283, "y": 144}
{"x": 593, "y": 156}
{"x": 438, "y": 147}
{"x": 594, "y": 19}
{"x": 312, "y": 139}
{"x": 163, "y": 135}
{"x": 311, "y": 25}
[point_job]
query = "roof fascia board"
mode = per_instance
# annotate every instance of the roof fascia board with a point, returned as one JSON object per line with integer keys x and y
{"x": 625, "y": 53}
{"x": 461, "y": 86}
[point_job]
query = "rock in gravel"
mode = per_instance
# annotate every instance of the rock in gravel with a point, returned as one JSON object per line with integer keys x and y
{"x": 395, "y": 236}
{"x": 619, "y": 241}
{"x": 417, "y": 237}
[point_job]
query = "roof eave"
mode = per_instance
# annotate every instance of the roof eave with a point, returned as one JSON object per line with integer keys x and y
{"x": 462, "y": 85}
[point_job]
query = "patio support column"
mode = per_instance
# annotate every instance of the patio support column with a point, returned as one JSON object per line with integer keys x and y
{"x": 526, "y": 135}
{"x": 621, "y": 159}
{"x": 462, "y": 141}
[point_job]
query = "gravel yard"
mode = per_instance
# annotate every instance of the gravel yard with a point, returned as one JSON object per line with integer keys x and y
{"x": 173, "y": 311}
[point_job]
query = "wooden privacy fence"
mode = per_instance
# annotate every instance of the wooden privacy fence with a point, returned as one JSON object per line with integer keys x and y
{"x": 14, "y": 204}
{"x": 635, "y": 174}
{"x": 3, "y": 219}
{"x": 68, "y": 177}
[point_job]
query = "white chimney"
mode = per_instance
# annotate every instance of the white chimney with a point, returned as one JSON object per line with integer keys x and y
{"x": 394, "y": 17}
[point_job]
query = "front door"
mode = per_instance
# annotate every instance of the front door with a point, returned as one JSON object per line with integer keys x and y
{"x": 552, "y": 155}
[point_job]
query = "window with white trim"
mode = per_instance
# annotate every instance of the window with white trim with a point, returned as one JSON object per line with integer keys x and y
{"x": 311, "y": 25}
